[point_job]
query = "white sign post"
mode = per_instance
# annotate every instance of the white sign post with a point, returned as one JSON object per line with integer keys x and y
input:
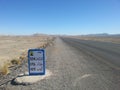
{"x": 36, "y": 61}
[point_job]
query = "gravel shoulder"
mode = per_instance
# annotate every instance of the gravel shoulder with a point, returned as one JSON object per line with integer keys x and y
{"x": 72, "y": 70}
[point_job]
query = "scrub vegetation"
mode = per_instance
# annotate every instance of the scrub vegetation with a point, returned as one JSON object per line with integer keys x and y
{"x": 14, "y": 49}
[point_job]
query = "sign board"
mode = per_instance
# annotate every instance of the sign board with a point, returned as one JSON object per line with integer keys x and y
{"x": 36, "y": 61}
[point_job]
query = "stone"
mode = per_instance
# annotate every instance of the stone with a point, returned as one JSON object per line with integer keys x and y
{"x": 25, "y": 79}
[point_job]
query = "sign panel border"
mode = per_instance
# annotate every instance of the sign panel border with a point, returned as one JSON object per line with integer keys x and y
{"x": 44, "y": 59}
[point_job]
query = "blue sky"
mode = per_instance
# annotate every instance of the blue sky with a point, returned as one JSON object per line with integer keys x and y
{"x": 24, "y": 17}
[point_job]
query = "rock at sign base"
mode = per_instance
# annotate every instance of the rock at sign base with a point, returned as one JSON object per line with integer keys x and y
{"x": 24, "y": 79}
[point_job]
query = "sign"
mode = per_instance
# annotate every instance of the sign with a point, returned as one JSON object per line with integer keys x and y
{"x": 36, "y": 61}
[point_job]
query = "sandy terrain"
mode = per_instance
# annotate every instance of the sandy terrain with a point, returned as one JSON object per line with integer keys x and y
{"x": 74, "y": 67}
{"x": 12, "y": 47}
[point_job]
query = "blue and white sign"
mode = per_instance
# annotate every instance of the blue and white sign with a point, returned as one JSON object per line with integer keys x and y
{"x": 36, "y": 61}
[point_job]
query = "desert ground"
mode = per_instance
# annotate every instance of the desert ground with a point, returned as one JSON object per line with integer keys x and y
{"x": 16, "y": 47}
{"x": 74, "y": 64}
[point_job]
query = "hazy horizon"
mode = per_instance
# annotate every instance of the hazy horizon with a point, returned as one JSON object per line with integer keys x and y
{"x": 56, "y": 34}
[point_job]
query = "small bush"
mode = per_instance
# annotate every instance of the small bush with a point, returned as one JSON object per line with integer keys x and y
{"x": 22, "y": 57}
{"x": 4, "y": 70}
{"x": 15, "y": 62}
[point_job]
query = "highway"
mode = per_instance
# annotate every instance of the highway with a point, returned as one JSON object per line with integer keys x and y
{"x": 79, "y": 65}
{"x": 108, "y": 53}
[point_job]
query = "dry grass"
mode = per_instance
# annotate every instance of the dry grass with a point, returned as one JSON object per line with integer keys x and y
{"x": 14, "y": 49}
{"x": 4, "y": 70}
{"x": 22, "y": 57}
{"x": 15, "y": 62}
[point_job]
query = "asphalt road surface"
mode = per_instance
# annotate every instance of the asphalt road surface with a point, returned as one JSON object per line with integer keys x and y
{"x": 79, "y": 65}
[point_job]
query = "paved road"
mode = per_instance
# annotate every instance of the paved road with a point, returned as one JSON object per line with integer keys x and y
{"x": 75, "y": 66}
{"x": 108, "y": 53}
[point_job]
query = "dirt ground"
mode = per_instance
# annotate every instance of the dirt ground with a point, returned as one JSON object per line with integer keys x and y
{"x": 12, "y": 47}
{"x": 72, "y": 70}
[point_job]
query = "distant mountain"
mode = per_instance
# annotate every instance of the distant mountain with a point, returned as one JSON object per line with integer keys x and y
{"x": 39, "y": 34}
